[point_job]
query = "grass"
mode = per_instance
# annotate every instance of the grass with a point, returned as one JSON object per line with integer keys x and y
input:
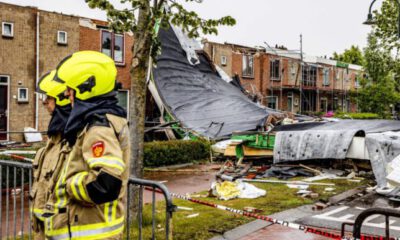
{"x": 212, "y": 221}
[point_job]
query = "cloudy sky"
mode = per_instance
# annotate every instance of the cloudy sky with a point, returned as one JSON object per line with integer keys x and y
{"x": 326, "y": 25}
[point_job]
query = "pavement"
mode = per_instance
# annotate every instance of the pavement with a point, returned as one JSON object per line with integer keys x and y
{"x": 328, "y": 220}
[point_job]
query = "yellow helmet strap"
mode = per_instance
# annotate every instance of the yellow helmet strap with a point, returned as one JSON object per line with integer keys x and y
{"x": 87, "y": 85}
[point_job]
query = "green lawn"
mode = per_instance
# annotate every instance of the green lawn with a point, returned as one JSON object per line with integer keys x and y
{"x": 211, "y": 220}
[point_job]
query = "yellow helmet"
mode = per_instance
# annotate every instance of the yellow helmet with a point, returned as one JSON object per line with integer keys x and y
{"x": 53, "y": 88}
{"x": 89, "y": 73}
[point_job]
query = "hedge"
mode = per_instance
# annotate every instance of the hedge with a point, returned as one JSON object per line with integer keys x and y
{"x": 163, "y": 153}
{"x": 357, "y": 115}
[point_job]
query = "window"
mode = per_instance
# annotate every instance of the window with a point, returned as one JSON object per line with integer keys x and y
{"x": 7, "y": 29}
{"x": 326, "y": 79}
{"x": 272, "y": 102}
{"x": 248, "y": 69}
{"x": 22, "y": 95}
{"x": 62, "y": 38}
{"x": 357, "y": 83}
{"x": 223, "y": 60}
{"x": 274, "y": 69}
{"x": 123, "y": 99}
{"x": 112, "y": 45}
{"x": 3, "y": 80}
{"x": 293, "y": 69}
{"x": 309, "y": 76}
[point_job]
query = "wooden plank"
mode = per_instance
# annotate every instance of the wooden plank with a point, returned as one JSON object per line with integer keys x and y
{"x": 345, "y": 195}
{"x": 249, "y": 152}
{"x": 257, "y": 152}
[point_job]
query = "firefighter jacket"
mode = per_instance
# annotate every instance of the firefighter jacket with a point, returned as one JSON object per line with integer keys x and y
{"x": 91, "y": 191}
{"x": 46, "y": 169}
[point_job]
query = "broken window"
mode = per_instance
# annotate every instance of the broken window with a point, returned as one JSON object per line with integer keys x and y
{"x": 272, "y": 102}
{"x": 326, "y": 79}
{"x": 248, "y": 63}
{"x": 309, "y": 75}
{"x": 275, "y": 69}
{"x": 113, "y": 46}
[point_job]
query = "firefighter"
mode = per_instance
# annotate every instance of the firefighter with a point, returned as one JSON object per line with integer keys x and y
{"x": 49, "y": 159}
{"x": 93, "y": 184}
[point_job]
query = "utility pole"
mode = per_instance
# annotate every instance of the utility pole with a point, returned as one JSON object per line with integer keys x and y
{"x": 301, "y": 73}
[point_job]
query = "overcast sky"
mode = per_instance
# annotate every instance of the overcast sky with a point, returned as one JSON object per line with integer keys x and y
{"x": 326, "y": 25}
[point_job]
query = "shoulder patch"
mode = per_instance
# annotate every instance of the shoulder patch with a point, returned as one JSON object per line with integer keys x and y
{"x": 98, "y": 149}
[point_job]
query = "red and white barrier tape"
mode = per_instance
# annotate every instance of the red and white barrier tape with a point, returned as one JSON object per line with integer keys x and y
{"x": 296, "y": 226}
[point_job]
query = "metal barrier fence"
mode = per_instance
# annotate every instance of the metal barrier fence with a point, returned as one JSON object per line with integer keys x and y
{"x": 15, "y": 216}
{"x": 387, "y": 212}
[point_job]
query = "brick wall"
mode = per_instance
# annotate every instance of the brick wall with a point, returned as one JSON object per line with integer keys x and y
{"x": 216, "y": 52}
{"x": 51, "y": 53}
{"x": 17, "y": 60}
{"x": 90, "y": 39}
{"x": 18, "y": 56}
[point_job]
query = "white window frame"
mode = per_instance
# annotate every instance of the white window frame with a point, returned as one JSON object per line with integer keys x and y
{"x": 8, "y": 102}
{"x": 59, "y": 39}
{"x": 20, "y": 99}
{"x": 12, "y": 29}
{"x": 224, "y": 60}
{"x": 246, "y": 59}
{"x": 326, "y": 76}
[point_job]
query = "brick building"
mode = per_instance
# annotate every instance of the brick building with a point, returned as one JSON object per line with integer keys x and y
{"x": 33, "y": 42}
{"x": 283, "y": 80}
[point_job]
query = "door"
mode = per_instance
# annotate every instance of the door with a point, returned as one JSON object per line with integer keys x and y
{"x": 324, "y": 105}
{"x": 3, "y": 107}
{"x": 290, "y": 104}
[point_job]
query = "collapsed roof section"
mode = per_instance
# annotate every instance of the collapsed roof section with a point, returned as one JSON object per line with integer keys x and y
{"x": 335, "y": 140}
{"x": 194, "y": 93}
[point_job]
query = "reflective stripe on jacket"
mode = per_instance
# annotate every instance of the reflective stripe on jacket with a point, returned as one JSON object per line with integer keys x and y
{"x": 98, "y": 150}
{"x": 46, "y": 169}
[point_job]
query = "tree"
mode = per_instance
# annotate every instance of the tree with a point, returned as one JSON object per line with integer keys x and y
{"x": 385, "y": 28}
{"x": 378, "y": 89}
{"x": 386, "y": 32}
{"x": 353, "y": 55}
{"x": 141, "y": 18}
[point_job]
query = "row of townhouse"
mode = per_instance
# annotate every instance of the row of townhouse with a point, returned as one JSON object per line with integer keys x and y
{"x": 33, "y": 42}
{"x": 286, "y": 80}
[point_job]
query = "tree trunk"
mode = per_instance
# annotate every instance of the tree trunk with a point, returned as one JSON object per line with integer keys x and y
{"x": 137, "y": 101}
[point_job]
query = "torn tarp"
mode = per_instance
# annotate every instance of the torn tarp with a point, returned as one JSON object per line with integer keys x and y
{"x": 197, "y": 96}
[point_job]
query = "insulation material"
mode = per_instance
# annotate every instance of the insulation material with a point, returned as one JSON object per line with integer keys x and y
{"x": 325, "y": 140}
{"x": 197, "y": 96}
{"x": 382, "y": 149}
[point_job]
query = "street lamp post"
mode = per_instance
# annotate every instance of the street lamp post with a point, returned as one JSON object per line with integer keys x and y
{"x": 371, "y": 21}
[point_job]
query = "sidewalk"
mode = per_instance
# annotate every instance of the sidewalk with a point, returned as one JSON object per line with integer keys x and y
{"x": 263, "y": 230}
{"x": 260, "y": 229}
